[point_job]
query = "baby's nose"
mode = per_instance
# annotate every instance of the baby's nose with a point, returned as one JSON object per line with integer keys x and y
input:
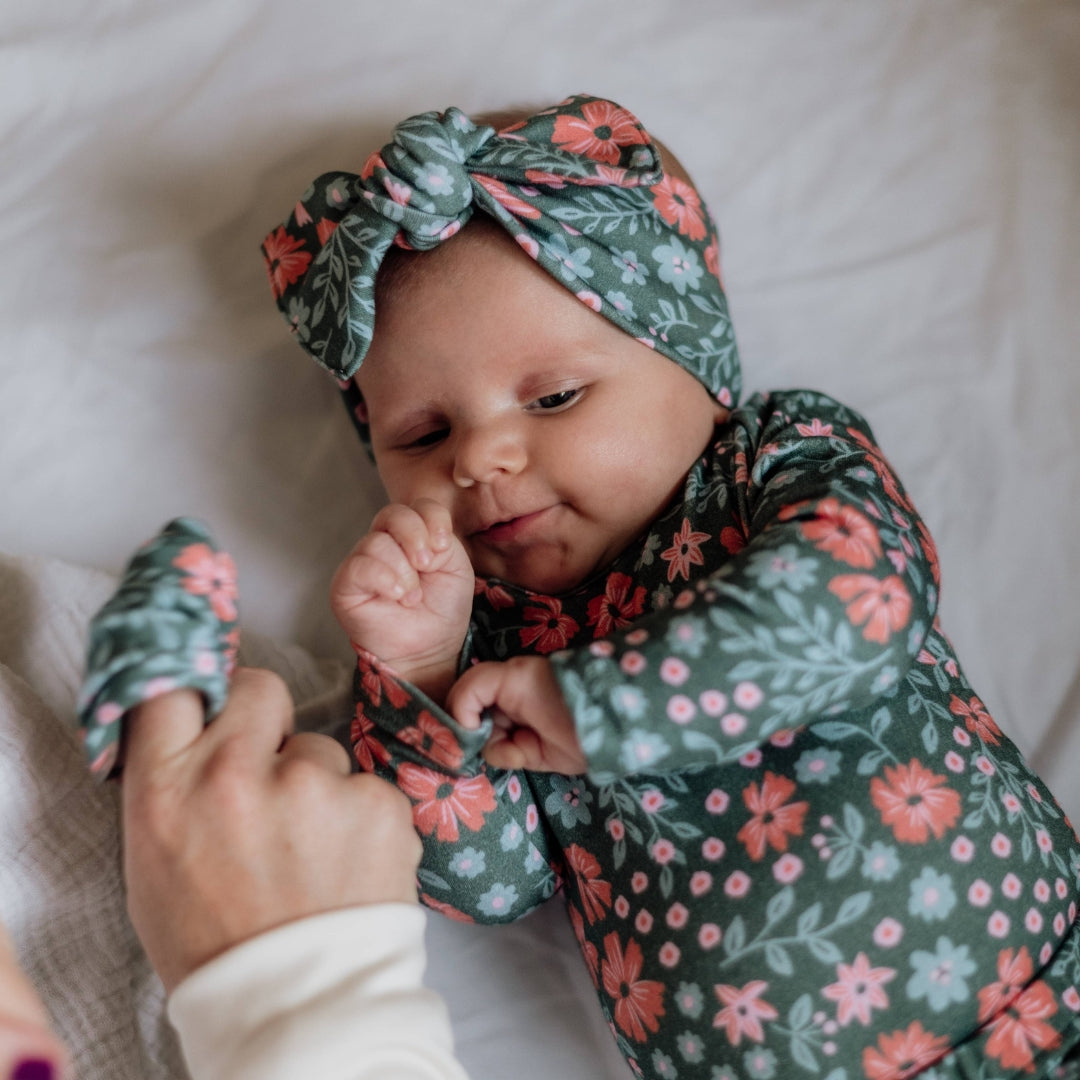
{"x": 486, "y": 453}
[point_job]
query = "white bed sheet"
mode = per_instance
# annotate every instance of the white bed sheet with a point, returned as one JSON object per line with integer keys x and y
{"x": 897, "y": 186}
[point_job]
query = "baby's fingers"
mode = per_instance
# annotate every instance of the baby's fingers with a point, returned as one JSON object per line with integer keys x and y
{"x": 421, "y": 531}
{"x": 376, "y": 567}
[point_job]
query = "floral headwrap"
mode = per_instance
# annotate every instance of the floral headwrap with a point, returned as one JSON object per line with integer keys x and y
{"x": 579, "y": 186}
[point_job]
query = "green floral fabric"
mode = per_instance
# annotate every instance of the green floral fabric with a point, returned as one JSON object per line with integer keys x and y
{"x": 804, "y": 847}
{"x": 173, "y": 622}
{"x": 580, "y": 188}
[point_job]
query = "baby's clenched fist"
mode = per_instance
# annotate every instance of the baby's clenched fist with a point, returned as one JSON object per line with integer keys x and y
{"x": 405, "y": 593}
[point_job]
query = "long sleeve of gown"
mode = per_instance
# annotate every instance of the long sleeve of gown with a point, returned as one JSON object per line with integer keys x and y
{"x": 796, "y": 583}
{"x": 487, "y": 854}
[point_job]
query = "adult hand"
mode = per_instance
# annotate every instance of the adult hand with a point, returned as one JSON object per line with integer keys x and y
{"x": 239, "y": 827}
{"x": 28, "y": 1048}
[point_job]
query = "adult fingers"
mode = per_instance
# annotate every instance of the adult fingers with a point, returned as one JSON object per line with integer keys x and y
{"x": 259, "y": 712}
{"x": 160, "y": 729}
{"x": 318, "y": 749}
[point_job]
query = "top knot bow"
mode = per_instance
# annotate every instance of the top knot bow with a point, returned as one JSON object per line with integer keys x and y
{"x": 579, "y": 186}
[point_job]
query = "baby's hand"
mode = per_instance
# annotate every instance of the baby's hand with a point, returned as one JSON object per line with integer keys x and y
{"x": 405, "y": 594}
{"x": 533, "y": 727}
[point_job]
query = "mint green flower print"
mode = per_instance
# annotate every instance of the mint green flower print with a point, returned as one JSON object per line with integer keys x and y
{"x": 688, "y": 635}
{"x": 677, "y": 265}
{"x": 783, "y": 568}
{"x": 511, "y": 836}
{"x": 688, "y": 999}
{"x": 940, "y": 976}
{"x": 574, "y": 264}
{"x": 818, "y": 766}
{"x": 641, "y": 749}
{"x": 634, "y": 272}
{"x": 620, "y": 302}
{"x": 570, "y": 801}
{"x": 498, "y": 900}
{"x": 468, "y": 863}
{"x": 880, "y": 862}
{"x": 664, "y": 1066}
{"x": 629, "y": 701}
{"x": 760, "y": 1064}
{"x": 931, "y": 897}
{"x": 436, "y": 180}
{"x": 691, "y": 1047}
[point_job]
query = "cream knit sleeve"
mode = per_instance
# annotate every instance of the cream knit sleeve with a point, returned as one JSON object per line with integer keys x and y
{"x": 337, "y": 996}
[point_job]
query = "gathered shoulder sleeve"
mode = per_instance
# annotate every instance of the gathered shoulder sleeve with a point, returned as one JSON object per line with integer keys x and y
{"x": 800, "y": 584}
{"x": 487, "y": 856}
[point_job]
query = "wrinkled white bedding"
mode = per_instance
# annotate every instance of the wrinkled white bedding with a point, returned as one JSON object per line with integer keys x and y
{"x": 897, "y": 188}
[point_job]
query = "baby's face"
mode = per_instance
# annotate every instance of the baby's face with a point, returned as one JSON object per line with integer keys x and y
{"x": 552, "y": 437}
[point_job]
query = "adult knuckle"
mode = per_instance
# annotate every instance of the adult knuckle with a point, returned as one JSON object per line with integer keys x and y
{"x": 267, "y": 686}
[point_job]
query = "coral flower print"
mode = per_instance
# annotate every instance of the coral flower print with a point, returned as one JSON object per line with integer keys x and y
{"x": 848, "y": 535}
{"x": 774, "y": 818}
{"x": 618, "y": 607}
{"x": 506, "y": 198}
{"x": 551, "y": 629}
{"x": 685, "y": 551}
{"x": 434, "y": 740}
{"x": 884, "y": 606}
{"x": 600, "y": 133}
{"x": 679, "y": 205}
{"x": 286, "y": 263}
{"x": 903, "y": 1053}
{"x": 442, "y": 801}
{"x": 743, "y": 1011}
{"x": 367, "y": 749}
{"x": 638, "y": 1002}
{"x": 977, "y": 720}
{"x": 857, "y": 990}
{"x": 210, "y": 574}
{"x": 915, "y": 802}
{"x": 1017, "y": 1010}
{"x": 595, "y": 894}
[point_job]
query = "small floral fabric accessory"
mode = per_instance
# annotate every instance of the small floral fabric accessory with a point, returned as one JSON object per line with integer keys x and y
{"x": 579, "y": 186}
{"x": 171, "y": 623}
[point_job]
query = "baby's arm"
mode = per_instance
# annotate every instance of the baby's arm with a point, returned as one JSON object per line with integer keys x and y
{"x": 404, "y": 594}
{"x": 823, "y": 608}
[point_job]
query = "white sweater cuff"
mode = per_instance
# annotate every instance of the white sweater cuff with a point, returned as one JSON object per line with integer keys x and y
{"x": 337, "y": 996}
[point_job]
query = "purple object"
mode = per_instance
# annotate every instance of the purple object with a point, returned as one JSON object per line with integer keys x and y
{"x": 34, "y": 1069}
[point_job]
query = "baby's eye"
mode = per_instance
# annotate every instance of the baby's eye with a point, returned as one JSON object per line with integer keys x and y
{"x": 556, "y": 400}
{"x": 429, "y": 438}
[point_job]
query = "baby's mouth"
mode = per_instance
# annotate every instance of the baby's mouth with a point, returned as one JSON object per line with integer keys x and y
{"x": 512, "y": 530}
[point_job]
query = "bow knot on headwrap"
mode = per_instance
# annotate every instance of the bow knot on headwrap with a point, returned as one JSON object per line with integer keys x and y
{"x": 580, "y": 187}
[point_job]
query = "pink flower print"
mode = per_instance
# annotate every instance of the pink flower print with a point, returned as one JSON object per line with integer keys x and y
{"x": 528, "y": 245}
{"x": 622, "y": 907}
{"x": 1033, "y": 791}
{"x": 783, "y": 737}
{"x": 532, "y": 818}
{"x": 685, "y": 551}
{"x": 163, "y": 684}
{"x": 1033, "y": 921}
{"x": 677, "y": 916}
{"x": 1059, "y": 924}
{"x": 601, "y": 648}
{"x": 1011, "y": 886}
{"x": 1042, "y": 838}
{"x": 954, "y": 762}
{"x": 589, "y": 299}
{"x": 962, "y": 850}
{"x": 984, "y": 765}
{"x": 108, "y": 713}
{"x": 737, "y": 885}
{"x": 712, "y": 703}
{"x": 639, "y": 882}
{"x": 961, "y": 736}
{"x": 616, "y": 829}
{"x": 652, "y": 800}
{"x": 998, "y": 924}
{"x": 888, "y": 933}
{"x": 669, "y": 954}
{"x": 643, "y": 923}
{"x": 717, "y": 801}
{"x": 1061, "y": 888}
{"x": 709, "y": 935}
{"x": 858, "y": 990}
{"x": 1041, "y": 891}
{"x": 1001, "y": 846}
{"x": 733, "y": 724}
{"x": 637, "y": 637}
{"x": 674, "y": 671}
{"x": 751, "y": 759}
{"x": 210, "y": 574}
{"x": 505, "y": 197}
{"x": 700, "y": 882}
{"x": 1045, "y": 953}
{"x": 680, "y": 709}
{"x": 513, "y": 788}
{"x": 663, "y": 851}
{"x": 632, "y": 663}
{"x": 980, "y": 893}
{"x": 1071, "y": 999}
{"x": 748, "y": 695}
{"x": 743, "y": 1011}
{"x": 788, "y": 868}
{"x": 713, "y": 849}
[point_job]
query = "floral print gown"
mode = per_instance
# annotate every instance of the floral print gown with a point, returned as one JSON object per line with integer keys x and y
{"x": 803, "y": 846}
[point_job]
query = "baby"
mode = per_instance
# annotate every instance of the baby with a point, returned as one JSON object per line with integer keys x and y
{"x": 678, "y": 657}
